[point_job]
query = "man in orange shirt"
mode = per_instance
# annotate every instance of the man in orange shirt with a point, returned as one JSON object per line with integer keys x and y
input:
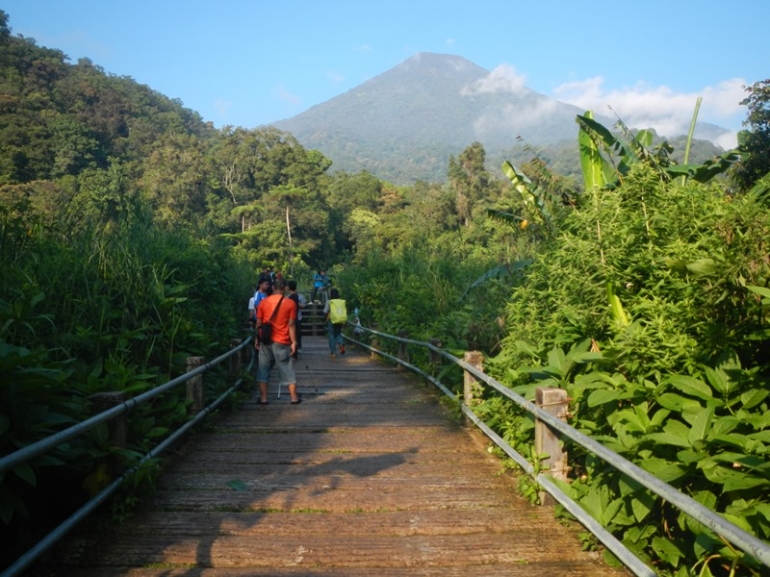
{"x": 283, "y": 343}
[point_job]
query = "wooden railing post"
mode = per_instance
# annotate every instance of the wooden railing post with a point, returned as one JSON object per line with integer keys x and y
{"x": 471, "y": 385}
{"x": 195, "y": 385}
{"x": 403, "y": 351}
{"x": 555, "y": 402}
{"x": 433, "y": 357}
{"x": 236, "y": 360}
{"x": 105, "y": 401}
{"x": 374, "y": 342}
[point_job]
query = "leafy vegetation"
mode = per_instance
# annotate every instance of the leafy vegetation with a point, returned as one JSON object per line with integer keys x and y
{"x": 755, "y": 142}
{"x": 130, "y": 232}
{"x": 646, "y": 299}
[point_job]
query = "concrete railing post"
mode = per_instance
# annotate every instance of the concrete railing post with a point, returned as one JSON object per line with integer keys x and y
{"x": 105, "y": 401}
{"x": 374, "y": 342}
{"x": 403, "y": 350}
{"x": 555, "y": 402}
{"x": 195, "y": 385}
{"x": 471, "y": 385}
{"x": 433, "y": 357}
{"x": 236, "y": 360}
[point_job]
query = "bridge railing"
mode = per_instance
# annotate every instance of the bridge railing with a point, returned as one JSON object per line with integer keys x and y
{"x": 8, "y": 462}
{"x": 474, "y": 376}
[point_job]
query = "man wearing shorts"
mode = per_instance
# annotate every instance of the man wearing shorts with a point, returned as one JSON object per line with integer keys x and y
{"x": 283, "y": 345}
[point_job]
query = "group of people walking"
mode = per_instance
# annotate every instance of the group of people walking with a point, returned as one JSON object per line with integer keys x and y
{"x": 275, "y": 312}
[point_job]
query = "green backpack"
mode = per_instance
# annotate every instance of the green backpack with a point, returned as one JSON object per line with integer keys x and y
{"x": 338, "y": 313}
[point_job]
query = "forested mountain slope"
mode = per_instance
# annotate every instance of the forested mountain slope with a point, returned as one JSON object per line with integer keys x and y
{"x": 58, "y": 118}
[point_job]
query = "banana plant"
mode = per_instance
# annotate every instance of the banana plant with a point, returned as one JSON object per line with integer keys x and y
{"x": 760, "y": 192}
{"x": 534, "y": 197}
{"x": 596, "y": 172}
{"x": 607, "y": 158}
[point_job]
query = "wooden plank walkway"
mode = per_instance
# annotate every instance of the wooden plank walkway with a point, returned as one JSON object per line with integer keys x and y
{"x": 368, "y": 476}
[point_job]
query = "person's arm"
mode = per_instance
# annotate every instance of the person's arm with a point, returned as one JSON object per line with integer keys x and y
{"x": 293, "y": 334}
{"x": 257, "y": 323}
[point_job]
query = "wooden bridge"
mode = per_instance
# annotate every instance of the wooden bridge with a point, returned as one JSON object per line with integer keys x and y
{"x": 369, "y": 476}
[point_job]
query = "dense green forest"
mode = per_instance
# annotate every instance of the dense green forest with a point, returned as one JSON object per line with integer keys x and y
{"x": 131, "y": 232}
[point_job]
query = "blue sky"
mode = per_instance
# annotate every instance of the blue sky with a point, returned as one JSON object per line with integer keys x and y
{"x": 252, "y": 62}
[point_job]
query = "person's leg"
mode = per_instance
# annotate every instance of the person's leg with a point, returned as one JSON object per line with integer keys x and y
{"x": 298, "y": 329}
{"x": 263, "y": 371}
{"x": 332, "y": 338}
{"x": 338, "y": 338}
{"x": 286, "y": 370}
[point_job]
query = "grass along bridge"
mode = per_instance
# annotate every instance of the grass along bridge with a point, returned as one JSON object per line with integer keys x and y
{"x": 369, "y": 475}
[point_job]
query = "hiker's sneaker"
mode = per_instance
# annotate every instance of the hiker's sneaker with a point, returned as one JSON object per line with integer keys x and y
{"x": 342, "y": 349}
{"x": 332, "y": 355}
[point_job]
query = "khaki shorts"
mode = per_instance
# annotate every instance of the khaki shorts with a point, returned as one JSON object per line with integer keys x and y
{"x": 280, "y": 354}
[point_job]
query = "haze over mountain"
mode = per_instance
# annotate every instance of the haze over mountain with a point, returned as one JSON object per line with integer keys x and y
{"x": 403, "y": 125}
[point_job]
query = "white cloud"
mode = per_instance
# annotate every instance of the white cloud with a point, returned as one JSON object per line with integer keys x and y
{"x": 660, "y": 107}
{"x": 512, "y": 119}
{"x": 504, "y": 78}
{"x": 286, "y": 96}
{"x": 334, "y": 77}
{"x": 222, "y": 107}
{"x": 450, "y": 41}
{"x": 364, "y": 48}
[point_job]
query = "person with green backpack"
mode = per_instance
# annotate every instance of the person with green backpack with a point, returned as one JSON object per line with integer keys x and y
{"x": 336, "y": 317}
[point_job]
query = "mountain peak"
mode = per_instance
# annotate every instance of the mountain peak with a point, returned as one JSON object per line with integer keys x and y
{"x": 426, "y": 108}
{"x": 426, "y": 69}
{"x": 435, "y": 60}
{"x": 405, "y": 123}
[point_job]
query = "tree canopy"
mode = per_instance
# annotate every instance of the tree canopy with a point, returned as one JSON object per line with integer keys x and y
{"x": 755, "y": 141}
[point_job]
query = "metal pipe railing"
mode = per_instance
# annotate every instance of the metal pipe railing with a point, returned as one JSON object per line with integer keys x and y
{"x": 743, "y": 539}
{"x": 44, "y": 445}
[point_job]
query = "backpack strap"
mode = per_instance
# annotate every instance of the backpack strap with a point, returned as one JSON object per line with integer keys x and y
{"x": 275, "y": 310}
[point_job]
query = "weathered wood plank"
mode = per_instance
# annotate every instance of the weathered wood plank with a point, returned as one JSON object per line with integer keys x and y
{"x": 401, "y": 523}
{"x": 325, "y": 551}
{"x": 540, "y": 569}
{"x": 331, "y": 500}
{"x": 370, "y": 439}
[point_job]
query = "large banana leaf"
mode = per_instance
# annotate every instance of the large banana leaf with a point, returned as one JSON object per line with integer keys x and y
{"x": 706, "y": 171}
{"x": 613, "y": 145}
{"x": 534, "y": 198}
{"x": 507, "y": 217}
{"x": 520, "y": 182}
{"x": 595, "y": 168}
{"x": 760, "y": 192}
{"x": 692, "y": 130}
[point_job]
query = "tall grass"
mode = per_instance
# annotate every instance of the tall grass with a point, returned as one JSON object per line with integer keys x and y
{"x": 115, "y": 307}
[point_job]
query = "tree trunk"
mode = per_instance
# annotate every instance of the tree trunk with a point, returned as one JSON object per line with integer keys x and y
{"x": 291, "y": 250}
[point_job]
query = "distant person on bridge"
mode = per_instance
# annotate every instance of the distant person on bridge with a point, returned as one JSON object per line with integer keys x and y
{"x": 336, "y": 317}
{"x": 264, "y": 288}
{"x": 281, "y": 314}
{"x": 320, "y": 283}
{"x": 301, "y": 303}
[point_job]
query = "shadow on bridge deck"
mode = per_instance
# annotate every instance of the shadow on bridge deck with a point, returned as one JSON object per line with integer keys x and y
{"x": 368, "y": 476}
